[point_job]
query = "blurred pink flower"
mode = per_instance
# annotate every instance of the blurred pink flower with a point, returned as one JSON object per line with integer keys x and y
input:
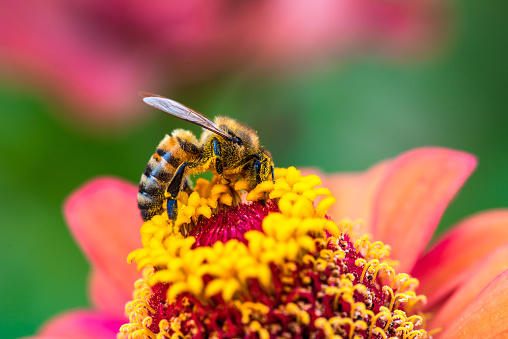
{"x": 96, "y": 55}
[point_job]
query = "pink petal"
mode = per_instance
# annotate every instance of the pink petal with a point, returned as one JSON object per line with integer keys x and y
{"x": 355, "y": 193}
{"x": 413, "y": 197}
{"x": 485, "y": 316}
{"x": 81, "y": 324}
{"x": 104, "y": 219}
{"x": 477, "y": 278}
{"x": 105, "y": 294}
{"x": 446, "y": 265}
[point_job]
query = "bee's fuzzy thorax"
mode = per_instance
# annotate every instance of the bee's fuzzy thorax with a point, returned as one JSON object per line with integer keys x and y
{"x": 246, "y": 133}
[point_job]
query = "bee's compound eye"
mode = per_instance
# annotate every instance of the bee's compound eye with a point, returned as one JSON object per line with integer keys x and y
{"x": 237, "y": 141}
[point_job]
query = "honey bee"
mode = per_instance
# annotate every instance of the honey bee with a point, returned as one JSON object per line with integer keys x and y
{"x": 228, "y": 148}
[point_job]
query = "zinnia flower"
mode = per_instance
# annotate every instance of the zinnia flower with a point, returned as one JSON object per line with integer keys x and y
{"x": 95, "y": 54}
{"x": 285, "y": 266}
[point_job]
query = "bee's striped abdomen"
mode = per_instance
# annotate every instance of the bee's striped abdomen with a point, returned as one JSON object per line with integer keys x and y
{"x": 159, "y": 172}
{"x": 152, "y": 188}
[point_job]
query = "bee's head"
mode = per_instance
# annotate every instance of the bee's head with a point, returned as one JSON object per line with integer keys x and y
{"x": 237, "y": 141}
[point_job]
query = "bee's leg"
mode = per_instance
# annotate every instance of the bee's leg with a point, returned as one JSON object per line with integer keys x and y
{"x": 257, "y": 170}
{"x": 219, "y": 167}
{"x": 253, "y": 170}
{"x": 273, "y": 174}
{"x": 174, "y": 188}
{"x": 252, "y": 166}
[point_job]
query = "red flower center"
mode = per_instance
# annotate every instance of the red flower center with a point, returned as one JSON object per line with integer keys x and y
{"x": 232, "y": 223}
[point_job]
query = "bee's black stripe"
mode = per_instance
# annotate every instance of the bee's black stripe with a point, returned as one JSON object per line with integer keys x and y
{"x": 150, "y": 166}
{"x": 153, "y": 170}
{"x": 150, "y": 186}
{"x": 187, "y": 146}
{"x": 170, "y": 159}
{"x": 158, "y": 170}
{"x": 146, "y": 201}
{"x": 148, "y": 214}
{"x": 147, "y": 171}
{"x": 161, "y": 174}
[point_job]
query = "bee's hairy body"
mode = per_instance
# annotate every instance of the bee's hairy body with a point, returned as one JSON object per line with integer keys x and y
{"x": 181, "y": 155}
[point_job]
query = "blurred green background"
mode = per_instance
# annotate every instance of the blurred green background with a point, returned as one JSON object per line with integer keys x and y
{"x": 339, "y": 117}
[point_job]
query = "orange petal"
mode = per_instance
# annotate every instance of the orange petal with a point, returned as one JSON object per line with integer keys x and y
{"x": 445, "y": 266}
{"x": 81, "y": 324}
{"x": 105, "y": 294}
{"x": 477, "y": 278}
{"x": 485, "y": 316}
{"x": 414, "y": 195}
{"x": 104, "y": 219}
{"x": 355, "y": 193}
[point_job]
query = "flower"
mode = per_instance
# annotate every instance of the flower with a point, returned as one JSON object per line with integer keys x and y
{"x": 271, "y": 283}
{"x": 401, "y": 200}
{"x": 292, "y": 272}
{"x": 95, "y": 55}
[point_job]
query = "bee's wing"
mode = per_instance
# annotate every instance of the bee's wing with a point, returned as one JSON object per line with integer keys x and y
{"x": 180, "y": 111}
